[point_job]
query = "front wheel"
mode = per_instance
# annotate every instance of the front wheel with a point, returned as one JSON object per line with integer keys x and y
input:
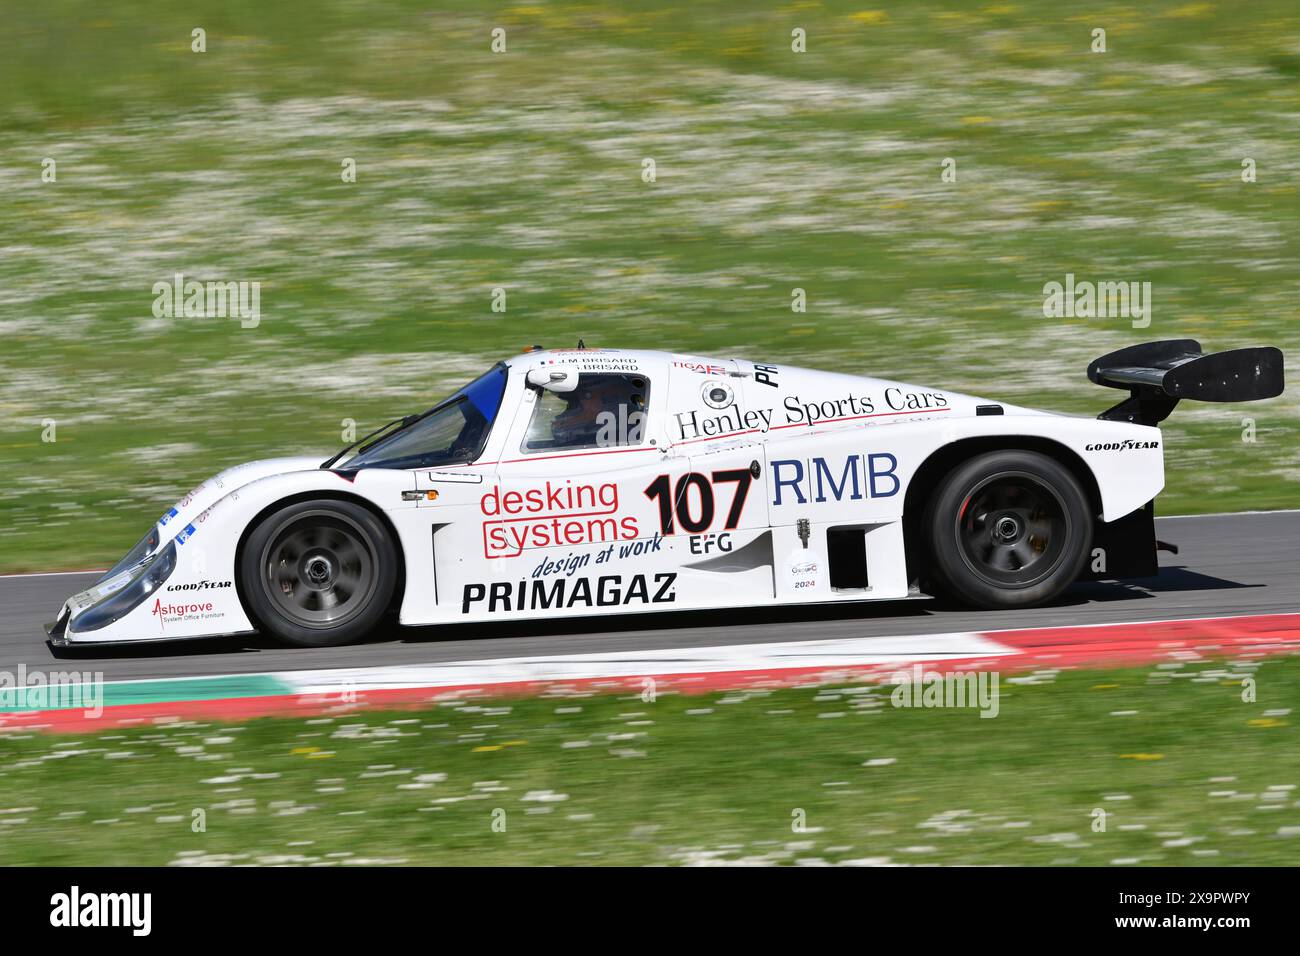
{"x": 1008, "y": 529}
{"x": 318, "y": 573}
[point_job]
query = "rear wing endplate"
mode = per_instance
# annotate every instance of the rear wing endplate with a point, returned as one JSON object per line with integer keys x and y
{"x": 1159, "y": 374}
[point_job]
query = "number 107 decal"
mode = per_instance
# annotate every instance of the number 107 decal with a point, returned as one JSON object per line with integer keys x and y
{"x": 675, "y": 502}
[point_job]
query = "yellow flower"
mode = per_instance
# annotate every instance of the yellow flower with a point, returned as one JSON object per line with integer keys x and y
{"x": 869, "y": 16}
{"x": 485, "y": 748}
{"x": 1191, "y": 11}
{"x": 1142, "y": 756}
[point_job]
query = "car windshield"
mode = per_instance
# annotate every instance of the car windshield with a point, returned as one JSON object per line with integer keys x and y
{"x": 452, "y": 432}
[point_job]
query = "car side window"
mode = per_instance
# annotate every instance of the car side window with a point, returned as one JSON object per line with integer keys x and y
{"x": 604, "y": 411}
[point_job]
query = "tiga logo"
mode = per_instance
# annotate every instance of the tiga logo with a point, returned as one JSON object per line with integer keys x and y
{"x": 703, "y": 368}
{"x": 540, "y": 595}
{"x": 565, "y": 514}
{"x": 856, "y": 477}
{"x": 1126, "y": 445}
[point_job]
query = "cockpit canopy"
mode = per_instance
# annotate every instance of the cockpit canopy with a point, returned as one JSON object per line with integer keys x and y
{"x": 453, "y": 432}
{"x": 593, "y": 410}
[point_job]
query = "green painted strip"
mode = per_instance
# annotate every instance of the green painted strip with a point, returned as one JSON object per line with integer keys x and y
{"x": 204, "y": 688}
{"x": 119, "y": 693}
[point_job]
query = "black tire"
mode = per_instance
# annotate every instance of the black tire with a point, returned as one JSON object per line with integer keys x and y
{"x": 318, "y": 573}
{"x": 1007, "y": 529}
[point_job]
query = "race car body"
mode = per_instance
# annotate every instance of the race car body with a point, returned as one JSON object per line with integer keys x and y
{"x": 595, "y": 481}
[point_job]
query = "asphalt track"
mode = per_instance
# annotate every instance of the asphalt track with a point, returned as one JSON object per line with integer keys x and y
{"x": 1227, "y": 565}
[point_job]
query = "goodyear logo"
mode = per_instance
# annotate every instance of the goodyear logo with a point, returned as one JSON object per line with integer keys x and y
{"x": 1125, "y": 445}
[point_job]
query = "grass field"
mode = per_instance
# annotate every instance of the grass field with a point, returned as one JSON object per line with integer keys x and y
{"x": 522, "y": 170}
{"x": 1185, "y": 772}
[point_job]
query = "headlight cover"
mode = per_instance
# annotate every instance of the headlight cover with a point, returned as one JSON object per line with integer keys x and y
{"x": 142, "y": 550}
{"x": 148, "y": 577}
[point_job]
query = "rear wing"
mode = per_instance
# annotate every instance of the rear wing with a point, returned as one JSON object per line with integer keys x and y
{"x": 1159, "y": 374}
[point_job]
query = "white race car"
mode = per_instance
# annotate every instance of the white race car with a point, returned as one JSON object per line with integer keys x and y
{"x": 601, "y": 481}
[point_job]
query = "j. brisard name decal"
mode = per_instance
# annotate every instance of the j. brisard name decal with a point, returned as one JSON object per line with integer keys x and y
{"x": 610, "y": 590}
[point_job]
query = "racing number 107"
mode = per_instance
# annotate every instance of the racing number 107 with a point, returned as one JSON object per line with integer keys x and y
{"x": 676, "y": 502}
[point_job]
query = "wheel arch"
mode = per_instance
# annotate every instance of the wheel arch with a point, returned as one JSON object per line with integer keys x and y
{"x": 399, "y": 589}
{"x": 943, "y": 459}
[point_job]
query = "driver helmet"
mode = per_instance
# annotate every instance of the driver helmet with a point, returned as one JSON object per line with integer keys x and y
{"x": 581, "y": 421}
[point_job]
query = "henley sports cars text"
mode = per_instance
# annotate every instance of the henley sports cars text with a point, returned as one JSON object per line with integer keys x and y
{"x": 597, "y": 481}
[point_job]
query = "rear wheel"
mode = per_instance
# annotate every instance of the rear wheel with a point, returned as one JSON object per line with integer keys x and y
{"x": 1008, "y": 529}
{"x": 318, "y": 573}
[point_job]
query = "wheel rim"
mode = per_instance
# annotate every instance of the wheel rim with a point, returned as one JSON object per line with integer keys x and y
{"x": 1012, "y": 529}
{"x": 318, "y": 569}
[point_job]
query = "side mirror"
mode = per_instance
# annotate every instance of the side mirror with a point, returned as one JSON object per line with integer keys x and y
{"x": 554, "y": 378}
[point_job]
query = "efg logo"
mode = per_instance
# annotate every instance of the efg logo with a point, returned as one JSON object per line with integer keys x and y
{"x": 1126, "y": 445}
